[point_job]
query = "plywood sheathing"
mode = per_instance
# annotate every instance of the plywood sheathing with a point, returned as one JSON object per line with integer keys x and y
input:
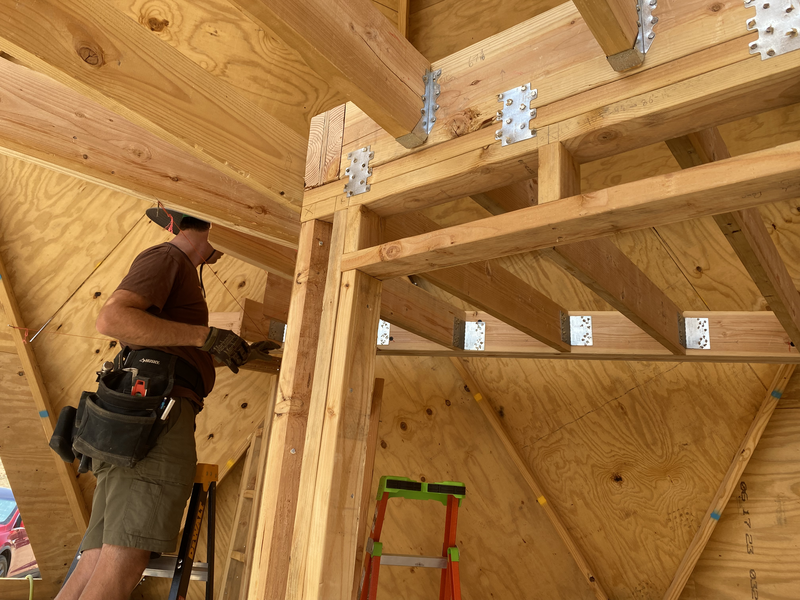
{"x": 630, "y": 454}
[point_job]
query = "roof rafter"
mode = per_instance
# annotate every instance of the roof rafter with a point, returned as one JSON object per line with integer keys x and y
{"x": 614, "y": 25}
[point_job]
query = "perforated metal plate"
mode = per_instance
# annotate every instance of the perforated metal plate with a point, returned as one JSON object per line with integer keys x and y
{"x": 647, "y": 20}
{"x": 697, "y": 333}
{"x": 358, "y": 172}
{"x": 384, "y": 332}
{"x": 475, "y": 336}
{"x": 778, "y": 25}
{"x": 580, "y": 331}
{"x": 516, "y": 114}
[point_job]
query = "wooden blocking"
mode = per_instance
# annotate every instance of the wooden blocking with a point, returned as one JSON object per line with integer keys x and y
{"x": 76, "y": 42}
{"x": 415, "y": 310}
{"x": 325, "y": 147}
{"x": 605, "y": 269}
{"x": 729, "y": 482}
{"x": 257, "y": 326}
{"x": 356, "y": 49}
{"x": 509, "y": 198}
{"x": 559, "y": 174}
{"x": 272, "y": 257}
{"x": 614, "y": 25}
{"x": 277, "y": 296}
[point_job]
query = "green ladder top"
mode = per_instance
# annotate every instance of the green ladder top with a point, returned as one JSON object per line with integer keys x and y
{"x": 403, "y": 487}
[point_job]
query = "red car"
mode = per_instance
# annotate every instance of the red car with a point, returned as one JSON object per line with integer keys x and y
{"x": 16, "y": 554}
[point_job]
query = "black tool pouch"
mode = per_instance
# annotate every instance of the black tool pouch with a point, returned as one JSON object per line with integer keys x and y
{"x": 114, "y": 427}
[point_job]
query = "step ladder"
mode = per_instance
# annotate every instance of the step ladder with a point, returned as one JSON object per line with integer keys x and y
{"x": 238, "y": 563}
{"x": 450, "y": 494}
{"x": 182, "y": 568}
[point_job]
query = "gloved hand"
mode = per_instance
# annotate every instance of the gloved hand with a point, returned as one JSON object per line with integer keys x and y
{"x": 228, "y": 347}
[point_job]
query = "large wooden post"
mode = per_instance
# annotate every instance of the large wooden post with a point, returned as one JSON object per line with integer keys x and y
{"x": 288, "y": 430}
{"x": 326, "y": 526}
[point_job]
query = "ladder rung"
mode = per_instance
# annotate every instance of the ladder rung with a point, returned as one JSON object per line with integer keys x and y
{"x": 164, "y": 566}
{"x": 404, "y": 560}
{"x": 238, "y": 556}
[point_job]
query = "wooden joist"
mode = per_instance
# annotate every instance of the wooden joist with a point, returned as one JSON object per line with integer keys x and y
{"x": 357, "y": 50}
{"x": 274, "y": 258}
{"x": 463, "y": 367}
{"x": 614, "y": 25}
{"x": 325, "y": 147}
{"x": 509, "y": 198}
{"x": 729, "y": 482}
{"x": 747, "y": 234}
{"x": 490, "y": 287}
{"x": 103, "y": 54}
{"x": 734, "y": 337}
{"x": 736, "y": 183}
{"x": 649, "y": 112}
{"x": 47, "y": 123}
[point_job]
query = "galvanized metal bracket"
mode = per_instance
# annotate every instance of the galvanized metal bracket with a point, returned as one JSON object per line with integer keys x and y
{"x": 459, "y": 331}
{"x": 475, "y": 336}
{"x": 778, "y": 25}
{"x": 358, "y": 172}
{"x": 384, "y": 333}
{"x": 277, "y": 331}
{"x": 576, "y": 330}
{"x": 516, "y": 114}
{"x": 430, "y": 104}
{"x": 698, "y": 336}
{"x": 634, "y": 57}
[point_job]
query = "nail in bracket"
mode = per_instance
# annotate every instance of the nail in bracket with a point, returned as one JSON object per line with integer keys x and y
{"x": 697, "y": 334}
{"x": 778, "y": 25}
{"x": 384, "y": 331}
{"x": 430, "y": 104}
{"x": 358, "y": 172}
{"x": 516, "y": 115}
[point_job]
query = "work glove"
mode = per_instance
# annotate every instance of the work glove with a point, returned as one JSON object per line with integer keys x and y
{"x": 227, "y": 347}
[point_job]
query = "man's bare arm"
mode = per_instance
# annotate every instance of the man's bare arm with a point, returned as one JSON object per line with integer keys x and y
{"x": 125, "y": 317}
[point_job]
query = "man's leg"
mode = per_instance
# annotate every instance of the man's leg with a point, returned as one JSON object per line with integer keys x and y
{"x": 117, "y": 573}
{"x": 73, "y": 589}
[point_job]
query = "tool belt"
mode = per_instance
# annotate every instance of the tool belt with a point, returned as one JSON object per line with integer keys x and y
{"x": 121, "y": 422}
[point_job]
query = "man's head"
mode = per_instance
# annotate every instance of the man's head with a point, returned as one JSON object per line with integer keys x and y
{"x": 191, "y": 234}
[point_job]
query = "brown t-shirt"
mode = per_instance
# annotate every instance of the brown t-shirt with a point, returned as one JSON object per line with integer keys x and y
{"x": 166, "y": 277}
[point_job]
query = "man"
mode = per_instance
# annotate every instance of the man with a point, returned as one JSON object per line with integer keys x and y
{"x": 159, "y": 305}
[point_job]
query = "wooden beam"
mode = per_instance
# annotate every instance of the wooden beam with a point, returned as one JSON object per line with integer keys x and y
{"x": 490, "y": 287}
{"x": 325, "y": 147}
{"x": 325, "y": 545}
{"x": 41, "y": 399}
{"x": 274, "y": 258}
{"x": 277, "y": 298}
{"x": 420, "y": 312}
{"x": 462, "y": 365}
{"x": 736, "y": 183}
{"x": 402, "y": 16}
{"x": 47, "y": 123}
{"x": 357, "y": 50}
{"x": 476, "y": 162}
{"x": 735, "y": 337}
{"x": 729, "y": 482}
{"x": 366, "y": 488}
{"x": 103, "y": 54}
{"x": 747, "y": 234}
{"x": 614, "y": 25}
{"x": 603, "y": 267}
{"x": 288, "y": 424}
{"x": 509, "y": 198}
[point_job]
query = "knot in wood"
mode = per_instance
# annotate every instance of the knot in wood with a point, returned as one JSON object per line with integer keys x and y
{"x": 156, "y": 24}
{"x": 90, "y": 56}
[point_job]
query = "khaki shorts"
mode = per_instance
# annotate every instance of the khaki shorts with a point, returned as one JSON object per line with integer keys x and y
{"x": 142, "y": 507}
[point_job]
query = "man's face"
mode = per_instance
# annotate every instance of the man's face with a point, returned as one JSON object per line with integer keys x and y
{"x": 214, "y": 257}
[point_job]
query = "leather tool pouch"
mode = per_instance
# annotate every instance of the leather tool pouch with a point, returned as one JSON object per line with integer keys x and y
{"x": 115, "y": 427}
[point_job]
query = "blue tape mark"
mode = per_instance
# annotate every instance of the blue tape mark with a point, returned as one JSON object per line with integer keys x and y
{"x": 777, "y": 394}
{"x": 43, "y": 413}
{"x": 715, "y": 515}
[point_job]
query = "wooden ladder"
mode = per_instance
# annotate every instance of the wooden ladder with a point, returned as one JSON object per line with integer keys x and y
{"x": 236, "y": 575}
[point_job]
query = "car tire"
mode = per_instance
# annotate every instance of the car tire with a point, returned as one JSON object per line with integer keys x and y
{"x": 3, "y": 566}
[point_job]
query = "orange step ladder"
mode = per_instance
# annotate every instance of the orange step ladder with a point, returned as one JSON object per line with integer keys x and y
{"x": 450, "y": 494}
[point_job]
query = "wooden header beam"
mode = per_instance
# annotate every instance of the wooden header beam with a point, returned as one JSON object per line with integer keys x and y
{"x": 736, "y": 183}
{"x": 103, "y": 54}
{"x": 735, "y": 337}
{"x": 357, "y": 50}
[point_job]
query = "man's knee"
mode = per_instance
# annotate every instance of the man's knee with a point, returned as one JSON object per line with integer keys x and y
{"x": 132, "y": 560}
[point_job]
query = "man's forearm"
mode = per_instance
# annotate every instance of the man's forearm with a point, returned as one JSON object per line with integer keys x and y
{"x": 140, "y": 328}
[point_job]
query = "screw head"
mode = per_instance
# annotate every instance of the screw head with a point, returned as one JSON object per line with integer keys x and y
{"x": 792, "y": 32}
{"x": 499, "y": 114}
{"x": 770, "y": 29}
{"x": 654, "y": 20}
{"x": 292, "y": 451}
{"x": 347, "y": 170}
{"x": 533, "y": 113}
{"x": 433, "y": 119}
{"x": 770, "y": 52}
{"x": 424, "y": 98}
{"x": 435, "y": 107}
{"x": 653, "y": 2}
{"x": 524, "y": 87}
{"x": 509, "y": 102}
{"x": 766, "y": 4}
{"x": 534, "y": 94}
{"x": 522, "y": 107}
{"x": 499, "y": 96}
{"x": 522, "y": 126}
{"x": 508, "y": 121}
{"x": 651, "y": 35}
{"x": 498, "y": 134}
{"x": 789, "y": 9}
